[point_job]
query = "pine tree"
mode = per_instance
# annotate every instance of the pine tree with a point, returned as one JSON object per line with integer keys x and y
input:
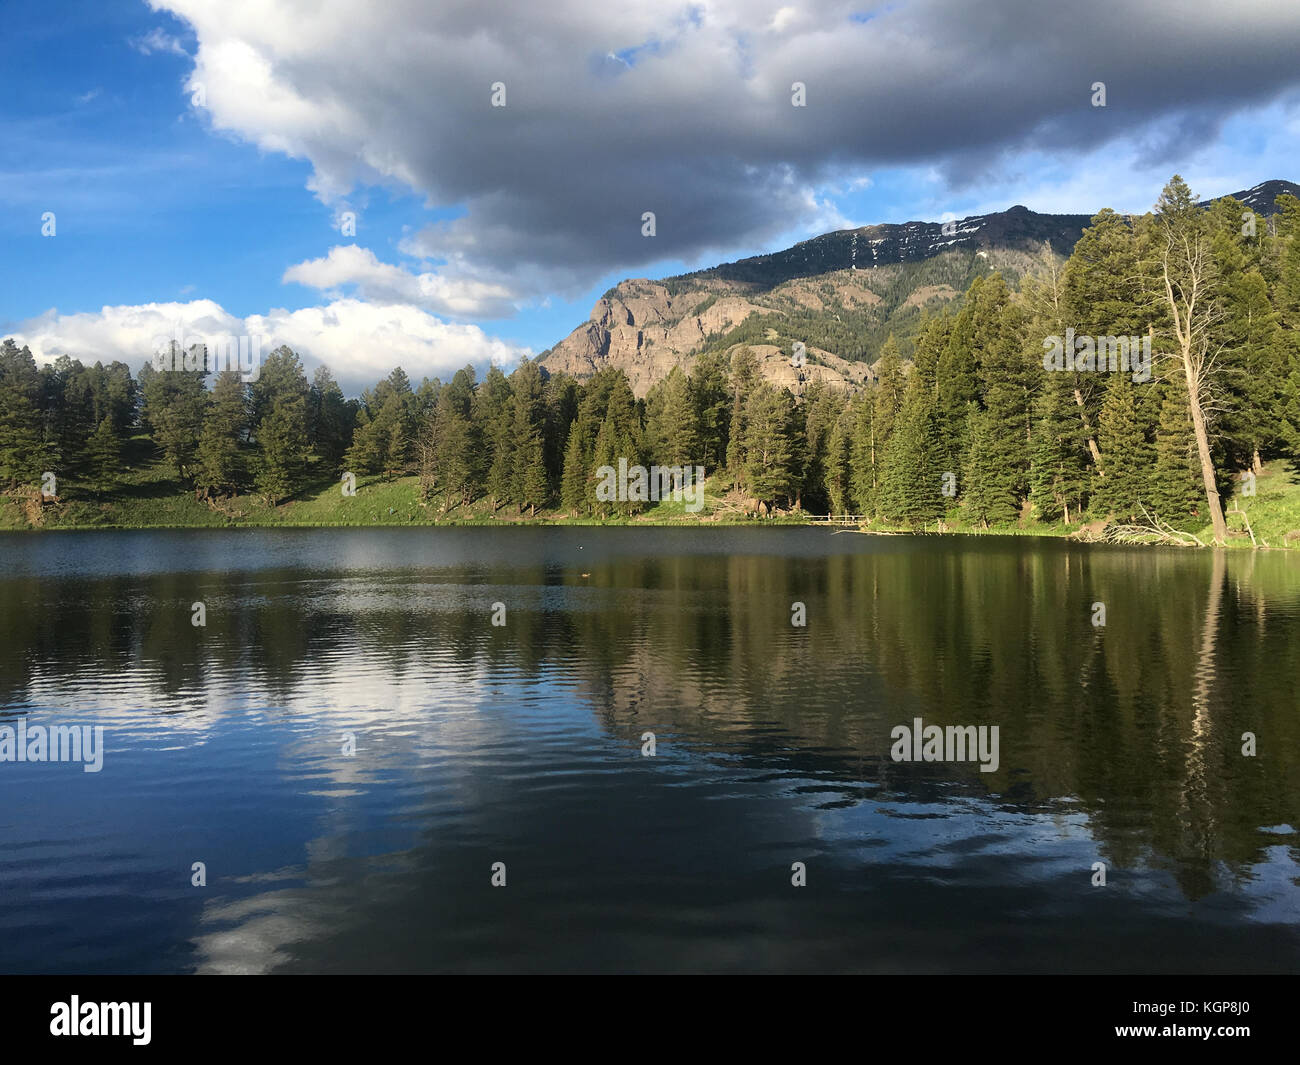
{"x": 71, "y": 410}
{"x": 1289, "y": 402}
{"x": 573, "y": 488}
{"x": 1248, "y": 340}
{"x": 23, "y": 455}
{"x": 958, "y": 385}
{"x": 1101, "y": 295}
{"x": 986, "y": 495}
{"x": 104, "y": 457}
{"x": 222, "y": 467}
{"x": 711, "y": 399}
{"x": 768, "y": 449}
{"x": 890, "y": 385}
{"x": 560, "y": 398}
{"x": 1175, "y": 486}
{"x": 175, "y": 401}
{"x": 1101, "y": 286}
{"x": 838, "y": 463}
{"x": 1280, "y": 265}
{"x": 605, "y": 456}
{"x": 863, "y": 454}
{"x": 671, "y": 422}
{"x": 279, "y": 403}
{"x": 529, "y": 485}
{"x": 911, "y": 484}
{"x": 446, "y": 462}
{"x": 1058, "y": 456}
{"x": 330, "y": 418}
{"x": 744, "y": 376}
{"x": 1006, "y": 373}
{"x": 383, "y": 441}
{"x": 1287, "y": 284}
{"x": 1127, "y": 456}
{"x": 822, "y": 406}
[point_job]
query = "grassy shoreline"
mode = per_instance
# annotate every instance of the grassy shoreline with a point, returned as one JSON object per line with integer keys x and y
{"x": 152, "y": 499}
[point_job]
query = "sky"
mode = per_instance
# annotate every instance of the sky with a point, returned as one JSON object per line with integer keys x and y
{"x": 431, "y": 183}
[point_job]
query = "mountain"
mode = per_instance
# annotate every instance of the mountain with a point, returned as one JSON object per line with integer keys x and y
{"x": 840, "y": 294}
{"x": 858, "y": 249}
{"x": 1261, "y": 199}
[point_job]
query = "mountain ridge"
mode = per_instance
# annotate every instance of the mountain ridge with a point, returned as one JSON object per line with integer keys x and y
{"x": 869, "y": 281}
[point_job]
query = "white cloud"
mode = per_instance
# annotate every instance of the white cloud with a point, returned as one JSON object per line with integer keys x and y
{"x": 158, "y": 40}
{"x": 783, "y": 18}
{"x": 360, "y": 341}
{"x": 350, "y": 265}
{"x": 695, "y": 121}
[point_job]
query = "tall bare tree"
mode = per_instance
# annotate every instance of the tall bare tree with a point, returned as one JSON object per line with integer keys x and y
{"x": 1185, "y": 273}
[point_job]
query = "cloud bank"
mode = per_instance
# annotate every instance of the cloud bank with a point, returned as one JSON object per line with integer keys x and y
{"x": 617, "y": 107}
{"x": 359, "y": 341}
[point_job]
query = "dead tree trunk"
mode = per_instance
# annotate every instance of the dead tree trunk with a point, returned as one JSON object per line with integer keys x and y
{"x": 1192, "y": 313}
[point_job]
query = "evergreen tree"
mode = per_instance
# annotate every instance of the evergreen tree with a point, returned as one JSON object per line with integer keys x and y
{"x": 890, "y": 385}
{"x": 1058, "y": 456}
{"x": 330, "y": 418}
{"x": 1102, "y": 286}
{"x": 862, "y": 454}
{"x": 1175, "y": 486}
{"x": 911, "y": 484}
{"x": 279, "y": 404}
{"x": 768, "y": 449}
{"x": 529, "y": 486}
{"x": 838, "y": 463}
{"x": 821, "y": 408}
{"x": 744, "y": 376}
{"x": 958, "y": 385}
{"x": 1006, "y": 373}
{"x": 711, "y": 398}
{"x": 1127, "y": 457}
{"x": 386, "y": 428}
{"x": 447, "y": 450}
{"x": 574, "y": 492}
{"x": 671, "y": 436}
{"x": 222, "y": 466}
{"x": 1287, "y": 284}
{"x": 493, "y": 415}
{"x": 175, "y": 401}
{"x": 560, "y": 398}
{"x": 986, "y": 493}
{"x": 23, "y": 454}
{"x": 104, "y": 457}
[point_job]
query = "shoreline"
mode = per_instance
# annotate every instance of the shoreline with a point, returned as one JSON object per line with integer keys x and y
{"x": 1234, "y": 543}
{"x": 151, "y": 500}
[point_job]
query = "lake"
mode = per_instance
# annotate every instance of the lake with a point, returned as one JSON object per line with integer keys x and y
{"x": 349, "y": 745}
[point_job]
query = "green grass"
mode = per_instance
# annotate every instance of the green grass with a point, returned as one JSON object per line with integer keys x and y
{"x": 1273, "y": 511}
{"x": 150, "y": 496}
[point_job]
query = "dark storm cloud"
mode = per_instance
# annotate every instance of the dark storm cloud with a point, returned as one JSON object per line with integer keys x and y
{"x": 615, "y": 108}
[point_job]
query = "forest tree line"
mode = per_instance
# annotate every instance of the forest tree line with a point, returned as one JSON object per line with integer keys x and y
{"x": 972, "y": 424}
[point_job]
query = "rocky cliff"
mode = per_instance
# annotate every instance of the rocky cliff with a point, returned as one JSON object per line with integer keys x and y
{"x": 839, "y": 294}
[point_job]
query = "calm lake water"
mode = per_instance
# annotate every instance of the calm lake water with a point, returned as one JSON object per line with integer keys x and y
{"x": 522, "y": 744}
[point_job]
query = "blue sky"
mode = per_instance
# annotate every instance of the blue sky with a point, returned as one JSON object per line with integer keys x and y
{"x": 161, "y": 202}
